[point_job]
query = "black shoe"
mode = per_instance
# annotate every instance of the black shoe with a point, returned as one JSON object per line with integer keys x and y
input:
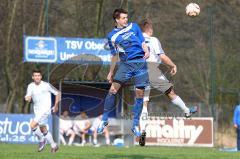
{"x": 142, "y": 139}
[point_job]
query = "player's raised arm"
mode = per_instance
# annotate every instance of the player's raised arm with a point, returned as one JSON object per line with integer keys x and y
{"x": 165, "y": 59}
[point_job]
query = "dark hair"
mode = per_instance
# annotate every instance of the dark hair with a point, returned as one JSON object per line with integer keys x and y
{"x": 145, "y": 25}
{"x": 117, "y": 12}
{"x": 36, "y": 71}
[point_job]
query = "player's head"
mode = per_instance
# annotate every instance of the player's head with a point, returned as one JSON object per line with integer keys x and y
{"x": 146, "y": 26}
{"x": 83, "y": 115}
{"x": 65, "y": 113}
{"x": 37, "y": 76}
{"x": 120, "y": 16}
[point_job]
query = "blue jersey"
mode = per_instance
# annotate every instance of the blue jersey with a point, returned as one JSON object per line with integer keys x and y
{"x": 127, "y": 42}
{"x": 236, "y": 116}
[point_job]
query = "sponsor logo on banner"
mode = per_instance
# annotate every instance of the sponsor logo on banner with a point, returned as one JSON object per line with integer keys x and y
{"x": 179, "y": 131}
{"x": 41, "y": 49}
{"x": 60, "y": 50}
{"x": 15, "y": 128}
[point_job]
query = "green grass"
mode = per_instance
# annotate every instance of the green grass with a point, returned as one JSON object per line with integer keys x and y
{"x": 9, "y": 151}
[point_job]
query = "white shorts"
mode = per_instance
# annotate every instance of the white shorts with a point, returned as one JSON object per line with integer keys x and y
{"x": 157, "y": 81}
{"x": 95, "y": 124}
{"x": 42, "y": 118}
{"x": 78, "y": 126}
{"x": 67, "y": 132}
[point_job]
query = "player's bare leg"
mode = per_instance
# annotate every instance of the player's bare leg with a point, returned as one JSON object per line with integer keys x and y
{"x": 71, "y": 138}
{"x": 107, "y": 136}
{"x": 62, "y": 137}
{"x": 83, "y": 139}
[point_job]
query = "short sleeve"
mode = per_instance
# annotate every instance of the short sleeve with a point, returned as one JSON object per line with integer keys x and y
{"x": 139, "y": 33}
{"x": 29, "y": 91}
{"x": 112, "y": 47}
{"x": 52, "y": 89}
{"x": 157, "y": 46}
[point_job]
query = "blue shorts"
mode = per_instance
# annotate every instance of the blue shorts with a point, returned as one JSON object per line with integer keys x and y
{"x": 136, "y": 70}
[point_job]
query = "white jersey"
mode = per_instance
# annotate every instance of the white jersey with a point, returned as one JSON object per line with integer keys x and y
{"x": 65, "y": 123}
{"x": 80, "y": 123}
{"x": 41, "y": 96}
{"x": 155, "y": 48}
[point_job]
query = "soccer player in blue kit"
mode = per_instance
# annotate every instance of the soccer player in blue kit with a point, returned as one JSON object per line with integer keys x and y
{"x": 126, "y": 42}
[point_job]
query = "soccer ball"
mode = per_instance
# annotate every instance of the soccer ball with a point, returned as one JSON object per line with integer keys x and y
{"x": 192, "y": 9}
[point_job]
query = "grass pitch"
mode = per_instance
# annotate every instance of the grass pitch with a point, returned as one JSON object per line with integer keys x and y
{"x": 12, "y": 151}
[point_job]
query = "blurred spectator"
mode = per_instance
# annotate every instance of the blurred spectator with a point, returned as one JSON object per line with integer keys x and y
{"x": 81, "y": 126}
{"x": 66, "y": 125}
{"x": 236, "y": 122}
{"x": 94, "y": 127}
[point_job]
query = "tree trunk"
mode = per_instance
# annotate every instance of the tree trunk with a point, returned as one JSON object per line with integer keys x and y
{"x": 98, "y": 17}
{"x": 8, "y": 68}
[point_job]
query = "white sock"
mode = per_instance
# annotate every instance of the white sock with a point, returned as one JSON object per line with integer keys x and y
{"x": 143, "y": 119}
{"x": 179, "y": 102}
{"x": 62, "y": 139}
{"x": 49, "y": 138}
{"x": 83, "y": 141}
{"x": 107, "y": 141}
{"x": 70, "y": 140}
{"x": 38, "y": 133}
{"x": 95, "y": 141}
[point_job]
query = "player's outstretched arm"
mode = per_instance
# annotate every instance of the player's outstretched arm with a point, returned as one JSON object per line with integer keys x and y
{"x": 166, "y": 60}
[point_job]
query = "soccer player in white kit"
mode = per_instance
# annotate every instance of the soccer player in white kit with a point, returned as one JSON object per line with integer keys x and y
{"x": 156, "y": 77}
{"x": 81, "y": 126}
{"x": 94, "y": 127}
{"x": 66, "y": 127}
{"x": 40, "y": 93}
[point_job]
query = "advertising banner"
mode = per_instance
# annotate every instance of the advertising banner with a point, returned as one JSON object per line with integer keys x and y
{"x": 60, "y": 49}
{"x": 179, "y": 131}
{"x": 15, "y": 128}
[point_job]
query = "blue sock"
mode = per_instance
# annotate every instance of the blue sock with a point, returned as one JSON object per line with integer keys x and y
{"x": 137, "y": 110}
{"x": 109, "y": 105}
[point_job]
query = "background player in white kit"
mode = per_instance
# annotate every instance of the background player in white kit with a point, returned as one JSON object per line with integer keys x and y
{"x": 40, "y": 93}
{"x": 66, "y": 127}
{"x": 81, "y": 126}
{"x": 94, "y": 127}
{"x": 156, "y": 77}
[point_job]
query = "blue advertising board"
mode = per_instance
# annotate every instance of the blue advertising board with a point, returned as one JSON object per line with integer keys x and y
{"x": 15, "y": 128}
{"x": 60, "y": 50}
